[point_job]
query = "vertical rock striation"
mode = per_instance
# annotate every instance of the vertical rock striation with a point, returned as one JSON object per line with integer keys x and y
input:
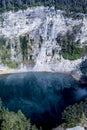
{"x": 43, "y": 39}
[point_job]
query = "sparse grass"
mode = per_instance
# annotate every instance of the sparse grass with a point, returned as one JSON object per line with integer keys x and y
{"x": 1, "y": 19}
{"x": 74, "y": 55}
{"x": 12, "y": 64}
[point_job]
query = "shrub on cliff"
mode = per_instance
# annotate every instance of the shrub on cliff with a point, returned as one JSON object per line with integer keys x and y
{"x": 69, "y": 48}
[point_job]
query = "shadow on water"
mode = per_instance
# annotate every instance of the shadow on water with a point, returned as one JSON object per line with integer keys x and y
{"x": 41, "y": 96}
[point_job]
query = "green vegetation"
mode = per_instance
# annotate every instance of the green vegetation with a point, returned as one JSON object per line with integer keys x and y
{"x": 68, "y": 5}
{"x": 2, "y": 41}
{"x": 71, "y": 52}
{"x": 75, "y": 115}
{"x": 5, "y": 58}
{"x": 1, "y": 19}
{"x": 24, "y": 47}
{"x": 5, "y": 53}
{"x": 14, "y": 121}
{"x": 69, "y": 48}
{"x": 72, "y": 116}
{"x": 27, "y": 49}
{"x": 12, "y": 64}
{"x": 23, "y": 7}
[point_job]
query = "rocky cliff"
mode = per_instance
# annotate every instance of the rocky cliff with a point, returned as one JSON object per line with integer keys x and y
{"x": 43, "y": 39}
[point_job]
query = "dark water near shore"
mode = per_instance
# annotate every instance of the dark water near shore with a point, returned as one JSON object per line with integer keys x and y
{"x": 41, "y": 96}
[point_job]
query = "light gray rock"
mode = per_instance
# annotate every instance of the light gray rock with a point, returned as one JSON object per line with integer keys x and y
{"x": 76, "y": 128}
{"x": 41, "y": 26}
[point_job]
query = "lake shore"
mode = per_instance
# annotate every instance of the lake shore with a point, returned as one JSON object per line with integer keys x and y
{"x": 74, "y": 74}
{"x": 10, "y": 71}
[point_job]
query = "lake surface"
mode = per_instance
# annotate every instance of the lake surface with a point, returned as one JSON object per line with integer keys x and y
{"x": 41, "y": 96}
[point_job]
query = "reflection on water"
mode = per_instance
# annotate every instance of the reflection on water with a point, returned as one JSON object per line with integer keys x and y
{"x": 41, "y": 96}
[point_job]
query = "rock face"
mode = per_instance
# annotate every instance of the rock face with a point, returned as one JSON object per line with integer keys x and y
{"x": 76, "y": 128}
{"x": 35, "y": 37}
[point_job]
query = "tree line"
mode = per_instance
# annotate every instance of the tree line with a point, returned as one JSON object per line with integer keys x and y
{"x": 70, "y": 5}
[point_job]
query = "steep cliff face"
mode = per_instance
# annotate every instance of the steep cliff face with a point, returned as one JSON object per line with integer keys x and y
{"x": 43, "y": 39}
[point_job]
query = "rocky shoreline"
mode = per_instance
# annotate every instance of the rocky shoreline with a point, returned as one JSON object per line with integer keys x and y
{"x": 77, "y": 75}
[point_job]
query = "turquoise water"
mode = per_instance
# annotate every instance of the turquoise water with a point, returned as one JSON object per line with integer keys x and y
{"x": 41, "y": 96}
